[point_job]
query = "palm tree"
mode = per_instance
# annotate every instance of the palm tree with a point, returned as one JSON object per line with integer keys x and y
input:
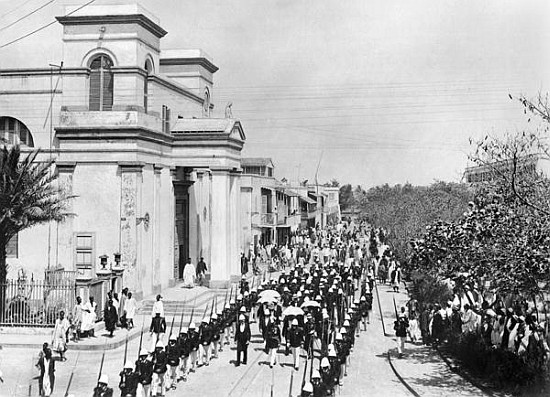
{"x": 28, "y": 197}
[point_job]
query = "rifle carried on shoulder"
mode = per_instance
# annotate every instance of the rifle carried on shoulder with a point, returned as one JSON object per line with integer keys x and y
{"x": 141, "y": 338}
{"x": 181, "y": 318}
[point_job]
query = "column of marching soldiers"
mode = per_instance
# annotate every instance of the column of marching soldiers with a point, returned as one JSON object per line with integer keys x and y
{"x": 320, "y": 307}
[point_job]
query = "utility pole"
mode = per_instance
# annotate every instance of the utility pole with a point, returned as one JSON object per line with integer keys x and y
{"x": 50, "y": 115}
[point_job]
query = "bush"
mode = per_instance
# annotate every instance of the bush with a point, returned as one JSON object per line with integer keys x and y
{"x": 503, "y": 368}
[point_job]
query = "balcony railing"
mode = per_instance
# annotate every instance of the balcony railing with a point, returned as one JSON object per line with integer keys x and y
{"x": 267, "y": 219}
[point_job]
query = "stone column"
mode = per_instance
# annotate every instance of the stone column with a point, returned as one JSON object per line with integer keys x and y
{"x": 130, "y": 192}
{"x": 221, "y": 228}
{"x": 235, "y": 230}
{"x": 64, "y": 252}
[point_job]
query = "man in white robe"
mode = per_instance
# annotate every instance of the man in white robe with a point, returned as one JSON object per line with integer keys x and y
{"x": 189, "y": 274}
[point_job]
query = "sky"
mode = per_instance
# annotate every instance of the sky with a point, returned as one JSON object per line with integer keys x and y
{"x": 367, "y": 91}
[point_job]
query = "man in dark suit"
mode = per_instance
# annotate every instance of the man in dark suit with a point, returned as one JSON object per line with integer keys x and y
{"x": 242, "y": 337}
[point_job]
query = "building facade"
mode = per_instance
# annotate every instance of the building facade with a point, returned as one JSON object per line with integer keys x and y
{"x": 272, "y": 210}
{"x": 156, "y": 178}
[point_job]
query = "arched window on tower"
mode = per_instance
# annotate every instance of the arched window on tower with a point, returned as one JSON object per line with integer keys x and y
{"x": 101, "y": 83}
{"x": 148, "y": 71}
{"x": 14, "y": 132}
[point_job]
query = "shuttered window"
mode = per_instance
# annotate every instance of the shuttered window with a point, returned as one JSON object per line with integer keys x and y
{"x": 101, "y": 84}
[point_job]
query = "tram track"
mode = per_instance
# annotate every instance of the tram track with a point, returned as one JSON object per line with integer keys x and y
{"x": 407, "y": 386}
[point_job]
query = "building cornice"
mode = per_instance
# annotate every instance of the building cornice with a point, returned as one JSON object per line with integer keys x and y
{"x": 17, "y": 72}
{"x": 174, "y": 87}
{"x": 201, "y": 61}
{"x": 139, "y": 19}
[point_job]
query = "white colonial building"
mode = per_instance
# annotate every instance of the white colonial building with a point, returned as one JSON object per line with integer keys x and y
{"x": 156, "y": 178}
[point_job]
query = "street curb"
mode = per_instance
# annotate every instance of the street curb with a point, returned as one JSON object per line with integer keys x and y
{"x": 403, "y": 381}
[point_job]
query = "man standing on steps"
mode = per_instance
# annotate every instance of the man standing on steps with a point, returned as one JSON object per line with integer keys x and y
{"x": 201, "y": 271}
{"x": 400, "y": 327}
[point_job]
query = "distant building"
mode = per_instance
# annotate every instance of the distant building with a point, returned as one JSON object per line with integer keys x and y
{"x": 156, "y": 178}
{"x": 526, "y": 165}
{"x": 273, "y": 210}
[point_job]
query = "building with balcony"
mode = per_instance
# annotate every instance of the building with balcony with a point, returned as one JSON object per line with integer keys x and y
{"x": 271, "y": 210}
{"x": 157, "y": 179}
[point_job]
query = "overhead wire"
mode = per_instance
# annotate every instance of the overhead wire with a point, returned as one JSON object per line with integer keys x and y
{"x": 27, "y": 15}
{"x": 15, "y": 9}
{"x": 44, "y": 26}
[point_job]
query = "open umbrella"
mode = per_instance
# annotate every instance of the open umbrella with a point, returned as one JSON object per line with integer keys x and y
{"x": 311, "y": 303}
{"x": 268, "y": 299}
{"x": 293, "y": 311}
{"x": 269, "y": 294}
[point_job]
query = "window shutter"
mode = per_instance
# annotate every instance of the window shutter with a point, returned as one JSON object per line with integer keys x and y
{"x": 108, "y": 87}
{"x": 95, "y": 91}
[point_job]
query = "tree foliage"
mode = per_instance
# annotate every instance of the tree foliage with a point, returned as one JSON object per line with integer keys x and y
{"x": 28, "y": 196}
{"x": 346, "y": 197}
{"x": 405, "y": 210}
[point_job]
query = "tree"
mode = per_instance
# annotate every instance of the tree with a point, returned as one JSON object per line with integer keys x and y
{"x": 346, "y": 197}
{"x": 28, "y": 197}
{"x": 405, "y": 210}
{"x": 332, "y": 183}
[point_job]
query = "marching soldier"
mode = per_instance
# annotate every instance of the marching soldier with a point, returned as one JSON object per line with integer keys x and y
{"x": 273, "y": 339}
{"x": 159, "y": 369}
{"x": 129, "y": 380}
{"x": 184, "y": 348}
{"x": 102, "y": 389}
{"x": 326, "y": 376}
{"x": 173, "y": 359}
{"x": 194, "y": 346}
{"x": 216, "y": 330}
{"x": 205, "y": 338}
{"x": 144, "y": 369}
{"x": 295, "y": 340}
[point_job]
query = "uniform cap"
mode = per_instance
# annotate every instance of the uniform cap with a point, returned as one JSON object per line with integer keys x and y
{"x": 308, "y": 387}
{"x": 363, "y": 299}
{"x": 103, "y": 379}
{"x": 339, "y": 336}
{"x": 206, "y": 320}
{"x": 192, "y": 326}
{"x": 325, "y": 363}
{"x": 129, "y": 365}
{"x": 356, "y": 301}
{"x": 246, "y": 293}
{"x": 242, "y": 309}
{"x": 159, "y": 345}
{"x": 350, "y": 311}
{"x": 214, "y": 316}
{"x": 286, "y": 289}
{"x": 346, "y": 323}
{"x": 239, "y": 297}
{"x": 219, "y": 311}
{"x": 294, "y": 322}
{"x": 242, "y": 317}
{"x": 318, "y": 298}
{"x": 143, "y": 352}
{"x": 172, "y": 337}
{"x": 232, "y": 301}
{"x": 184, "y": 330}
{"x": 347, "y": 317}
{"x": 315, "y": 374}
{"x": 332, "y": 353}
{"x": 227, "y": 306}
{"x": 343, "y": 330}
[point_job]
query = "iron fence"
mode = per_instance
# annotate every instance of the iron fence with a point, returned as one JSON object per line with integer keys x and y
{"x": 34, "y": 303}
